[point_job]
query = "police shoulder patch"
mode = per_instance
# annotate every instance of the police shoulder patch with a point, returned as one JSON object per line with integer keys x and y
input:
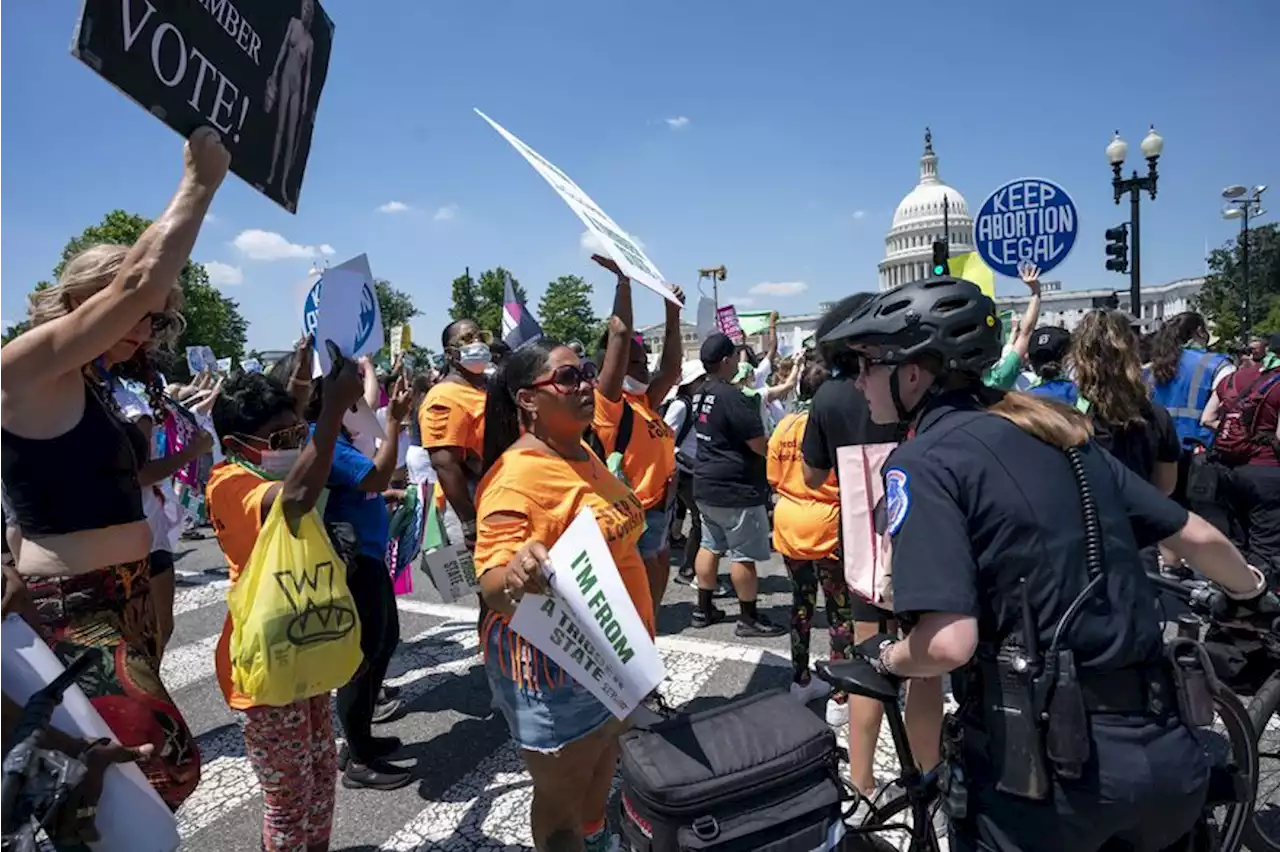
{"x": 897, "y": 499}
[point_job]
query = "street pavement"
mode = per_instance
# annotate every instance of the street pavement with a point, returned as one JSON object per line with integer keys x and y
{"x": 471, "y": 793}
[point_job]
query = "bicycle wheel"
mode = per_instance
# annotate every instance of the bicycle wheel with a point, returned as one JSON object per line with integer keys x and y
{"x": 1231, "y": 741}
{"x": 897, "y": 812}
{"x": 1263, "y": 831}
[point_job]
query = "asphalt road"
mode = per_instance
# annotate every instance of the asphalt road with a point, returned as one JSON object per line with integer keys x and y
{"x": 470, "y": 792}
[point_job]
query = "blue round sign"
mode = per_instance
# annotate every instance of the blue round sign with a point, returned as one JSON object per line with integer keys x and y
{"x": 367, "y": 316}
{"x": 1028, "y": 220}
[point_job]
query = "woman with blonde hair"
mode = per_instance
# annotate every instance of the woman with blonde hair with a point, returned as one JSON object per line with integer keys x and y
{"x": 1108, "y": 375}
{"x": 84, "y": 553}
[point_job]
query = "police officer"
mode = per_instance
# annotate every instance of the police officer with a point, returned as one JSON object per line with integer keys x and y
{"x": 1002, "y": 512}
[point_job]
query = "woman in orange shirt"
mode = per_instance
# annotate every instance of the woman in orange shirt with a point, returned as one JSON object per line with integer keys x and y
{"x": 806, "y": 531}
{"x": 649, "y": 459}
{"x": 539, "y": 476}
{"x": 269, "y": 458}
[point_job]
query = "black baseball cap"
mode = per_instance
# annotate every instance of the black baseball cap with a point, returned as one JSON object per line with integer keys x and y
{"x": 716, "y": 348}
{"x": 1048, "y": 345}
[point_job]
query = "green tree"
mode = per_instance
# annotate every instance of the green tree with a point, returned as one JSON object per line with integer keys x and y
{"x": 1221, "y": 297}
{"x": 212, "y": 319}
{"x": 489, "y": 293}
{"x": 396, "y": 306}
{"x": 466, "y": 304}
{"x": 565, "y": 310}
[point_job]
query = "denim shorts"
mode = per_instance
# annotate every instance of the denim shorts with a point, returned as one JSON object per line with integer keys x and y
{"x": 741, "y": 533}
{"x": 548, "y": 714}
{"x": 657, "y": 521}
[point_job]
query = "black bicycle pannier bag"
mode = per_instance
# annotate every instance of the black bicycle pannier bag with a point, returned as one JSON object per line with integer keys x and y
{"x": 756, "y": 775}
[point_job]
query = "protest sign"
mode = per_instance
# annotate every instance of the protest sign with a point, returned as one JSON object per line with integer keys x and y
{"x": 452, "y": 570}
{"x": 867, "y": 548}
{"x": 251, "y": 365}
{"x": 622, "y": 248}
{"x": 400, "y": 341}
{"x": 1029, "y": 220}
{"x": 727, "y": 320}
{"x": 588, "y": 623}
{"x": 253, "y": 70}
{"x": 224, "y": 365}
{"x": 195, "y": 359}
{"x": 351, "y": 316}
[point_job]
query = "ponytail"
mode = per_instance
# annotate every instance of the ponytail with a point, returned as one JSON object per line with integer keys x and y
{"x": 503, "y": 419}
{"x": 1039, "y": 416}
{"x": 1050, "y": 371}
{"x": 1166, "y": 345}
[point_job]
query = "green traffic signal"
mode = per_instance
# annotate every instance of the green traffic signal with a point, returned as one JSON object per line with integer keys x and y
{"x": 939, "y": 270}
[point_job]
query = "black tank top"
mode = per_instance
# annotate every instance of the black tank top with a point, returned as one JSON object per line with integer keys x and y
{"x": 84, "y": 479}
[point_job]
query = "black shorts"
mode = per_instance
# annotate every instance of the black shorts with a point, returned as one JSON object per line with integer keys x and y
{"x": 161, "y": 561}
{"x": 861, "y": 610}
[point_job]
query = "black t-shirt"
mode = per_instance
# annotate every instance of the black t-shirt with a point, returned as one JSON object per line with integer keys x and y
{"x": 840, "y": 418}
{"x": 1139, "y": 446}
{"x": 975, "y": 505}
{"x": 728, "y": 472}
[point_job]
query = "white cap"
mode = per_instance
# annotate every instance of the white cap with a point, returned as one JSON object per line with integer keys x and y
{"x": 691, "y": 371}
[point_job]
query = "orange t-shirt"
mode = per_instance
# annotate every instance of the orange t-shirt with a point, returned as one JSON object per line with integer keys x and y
{"x": 234, "y": 499}
{"x": 650, "y": 459}
{"x": 548, "y": 492}
{"x": 806, "y": 522}
{"x": 452, "y": 415}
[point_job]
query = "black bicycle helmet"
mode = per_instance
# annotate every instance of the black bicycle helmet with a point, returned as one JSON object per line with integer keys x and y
{"x": 948, "y": 318}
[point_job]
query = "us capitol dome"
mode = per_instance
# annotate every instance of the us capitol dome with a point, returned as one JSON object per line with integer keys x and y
{"x": 918, "y": 221}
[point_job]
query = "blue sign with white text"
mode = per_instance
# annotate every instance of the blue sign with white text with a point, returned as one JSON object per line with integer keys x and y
{"x": 1028, "y": 220}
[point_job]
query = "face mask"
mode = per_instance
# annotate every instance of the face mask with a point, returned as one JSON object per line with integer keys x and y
{"x": 276, "y": 464}
{"x": 631, "y": 386}
{"x": 474, "y": 357}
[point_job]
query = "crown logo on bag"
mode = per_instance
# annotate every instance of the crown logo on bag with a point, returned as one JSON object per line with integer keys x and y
{"x": 317, "y": 617}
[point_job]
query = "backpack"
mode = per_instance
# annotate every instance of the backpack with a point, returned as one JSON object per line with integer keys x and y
{"x": 1234, "y": 442}
{"x": 683, "y": 431}
{"x": 613, "y": 460}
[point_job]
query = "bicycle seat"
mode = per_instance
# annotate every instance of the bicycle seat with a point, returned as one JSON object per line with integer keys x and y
{"x": 857, "y": 676}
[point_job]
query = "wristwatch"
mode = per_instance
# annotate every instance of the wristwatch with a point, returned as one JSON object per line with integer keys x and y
{"x": 881, "y": 661}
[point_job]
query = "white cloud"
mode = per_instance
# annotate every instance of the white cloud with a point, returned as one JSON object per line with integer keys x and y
{"x": 224, "y": 274}
{"x": 256, "y": 244}
{"x": 447, "y": 213}
{"x": 393, "y": 207}
{"x": 779, "y": 288}
{"x": 859, "y": 214}
{"x": 738, "y": 301}
{"x": 677, "y": 122}
{"x": 326, "y": 249}
{"x": 591, "y": 244}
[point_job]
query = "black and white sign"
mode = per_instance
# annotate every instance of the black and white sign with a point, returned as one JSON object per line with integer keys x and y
{"x": 251, "y": 68}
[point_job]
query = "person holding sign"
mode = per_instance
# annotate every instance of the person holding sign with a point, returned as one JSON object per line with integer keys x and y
{"x": 1004, "y": 373}
{"x": 85, "y": 560}
{"x": 270, "y": 459}
{"x": 649, "y": 457}
{"x": 539, "y": 474}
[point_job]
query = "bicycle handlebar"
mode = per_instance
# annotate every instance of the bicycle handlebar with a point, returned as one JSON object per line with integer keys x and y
{"x": 1207, "y": 599}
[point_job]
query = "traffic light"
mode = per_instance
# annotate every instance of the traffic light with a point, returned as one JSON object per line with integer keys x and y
{"x": 941, "y": 251}
{"x": 1118, "y": 248}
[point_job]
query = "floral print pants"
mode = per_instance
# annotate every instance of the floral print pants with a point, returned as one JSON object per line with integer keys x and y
{"x": 806, "y": 576}
{"x": 293, "y": 754}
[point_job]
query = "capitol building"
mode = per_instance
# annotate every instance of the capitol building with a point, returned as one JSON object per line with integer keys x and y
{"x": 931, "y": 211}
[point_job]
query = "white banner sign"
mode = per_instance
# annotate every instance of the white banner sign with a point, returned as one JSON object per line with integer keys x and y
{"x": 588, "y": 623}
{"x": 348, "y": 314}
{"x": 452, "y": 570}
{"x": 621, "y": 247}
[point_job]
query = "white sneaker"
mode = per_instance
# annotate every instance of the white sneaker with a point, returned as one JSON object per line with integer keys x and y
{"x": 811, "y": 691}
{"x": 837, "y": 714}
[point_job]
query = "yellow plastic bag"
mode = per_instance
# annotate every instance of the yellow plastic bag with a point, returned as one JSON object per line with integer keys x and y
{"x": 295, "y": 633}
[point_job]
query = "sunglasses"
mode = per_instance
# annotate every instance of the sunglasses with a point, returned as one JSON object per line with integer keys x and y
{"x": 160, "y": 322}
{"x": 569, "y": 378}
{"x": 288, "y": 439}
{"x": 479, "y": 336}
{"x": 865, "y": 362}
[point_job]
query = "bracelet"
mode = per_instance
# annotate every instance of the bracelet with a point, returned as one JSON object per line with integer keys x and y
{"x": 882, "y": 662}
{"x": 1258, "y": 588}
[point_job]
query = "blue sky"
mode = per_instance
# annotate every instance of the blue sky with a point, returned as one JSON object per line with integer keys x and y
{"x": 776, "y": 138}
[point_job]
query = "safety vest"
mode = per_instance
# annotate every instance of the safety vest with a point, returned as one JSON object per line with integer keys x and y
{"x": 1187, "y": 394}
{"x": 1063, "y": 390}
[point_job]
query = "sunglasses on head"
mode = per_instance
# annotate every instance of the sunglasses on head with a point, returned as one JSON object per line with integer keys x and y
{"x": 569, "y": 378}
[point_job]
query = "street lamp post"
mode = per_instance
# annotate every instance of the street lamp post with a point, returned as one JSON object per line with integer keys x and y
{"x": 1151, "y": 146}
{"x": 1244, "y": 205}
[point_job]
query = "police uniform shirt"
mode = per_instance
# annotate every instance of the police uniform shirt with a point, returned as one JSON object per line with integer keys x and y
{"x": 974, "y": 504}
